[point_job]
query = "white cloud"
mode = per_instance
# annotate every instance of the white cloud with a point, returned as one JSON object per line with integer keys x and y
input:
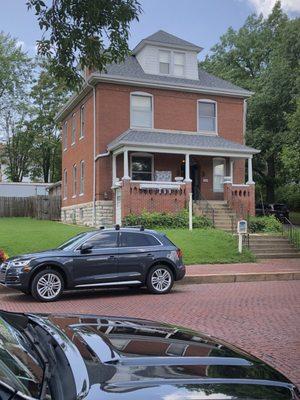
{"x": 265, "y": 6}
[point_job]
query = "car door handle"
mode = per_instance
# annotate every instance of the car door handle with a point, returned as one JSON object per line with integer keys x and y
{"x": 112, "y": 257}
{"x": 149, "y": 255}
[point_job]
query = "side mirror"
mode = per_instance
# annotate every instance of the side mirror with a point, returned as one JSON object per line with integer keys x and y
{"x": 86, "y": 247}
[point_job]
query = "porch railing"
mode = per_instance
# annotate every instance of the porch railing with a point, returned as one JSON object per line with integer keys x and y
{"x": 291, "y": 231}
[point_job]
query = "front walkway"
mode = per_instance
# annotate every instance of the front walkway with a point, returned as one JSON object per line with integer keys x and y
{"x": 267, "y": 270}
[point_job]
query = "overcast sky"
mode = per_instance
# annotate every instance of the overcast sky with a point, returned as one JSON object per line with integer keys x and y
{"x": 199, "y": 21}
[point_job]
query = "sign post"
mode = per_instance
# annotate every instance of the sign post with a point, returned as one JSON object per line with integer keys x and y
{"x": 241, "y": 230}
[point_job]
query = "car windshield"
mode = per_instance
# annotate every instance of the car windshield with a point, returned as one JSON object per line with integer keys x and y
{"x": 20, "y": 367}
{"x": 73, "y": 242}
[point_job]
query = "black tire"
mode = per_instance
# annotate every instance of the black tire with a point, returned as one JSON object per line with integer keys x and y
{"x": 51, "y": 293}
{"x": 162, "y": 286}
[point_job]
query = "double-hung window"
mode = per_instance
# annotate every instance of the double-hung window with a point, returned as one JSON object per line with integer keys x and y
{"x": 74, "y": 180}
{"x": 179, "y": 61}
{"x": 82, "y": 122}
{"x": 164, "y": 62}
{"x": 73, "y": 129}
{"x": 207, "y": 116}
{"x": 65, "y": 135}
{"x": 82, "y": 177}
{"x": 141, "y": 167}
{"x": 65, "y": 184}
{"x": 141, "y": 111}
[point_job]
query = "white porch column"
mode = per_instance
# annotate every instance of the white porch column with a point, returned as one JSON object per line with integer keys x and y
{"x": 187, "y": 168}
{"x": 114, "y": 168}
{"x": 231, "y": 169}
{"x": 250, "y": 176}
{"x": 126, "y": 173}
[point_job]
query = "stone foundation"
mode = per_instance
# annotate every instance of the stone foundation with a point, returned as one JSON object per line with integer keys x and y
{"x": 82, "y": 214}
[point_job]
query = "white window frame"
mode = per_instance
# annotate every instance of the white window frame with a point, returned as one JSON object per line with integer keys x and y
{"x": 184, "y": 63}
{"x": 148, "y": 155}
{"x": 171, "y": 69}
{"x": 74, "y": 181}
{"x": 73, "y": 129}
{"x": 144, "y": 94}
{"x": 65, "y": 184}
{"x": 65, "y": 135}
{"x": 170, "y": 61}
{"x": 81, "y": 177}
{"x": 215, "y": 132}
{"x": 82, "y": 122}
{"x": 215, "y": 160}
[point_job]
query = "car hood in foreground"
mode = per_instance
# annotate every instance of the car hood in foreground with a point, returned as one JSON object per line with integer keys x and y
{"x": 139, "y": 359}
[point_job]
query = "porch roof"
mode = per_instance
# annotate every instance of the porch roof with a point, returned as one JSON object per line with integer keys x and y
{"x": 179, "y": 142}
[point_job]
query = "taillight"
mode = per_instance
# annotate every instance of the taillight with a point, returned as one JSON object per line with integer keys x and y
{"x": 179, "y": 253}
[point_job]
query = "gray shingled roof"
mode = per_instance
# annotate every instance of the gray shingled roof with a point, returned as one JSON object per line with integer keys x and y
{"x": 185, "y": 140}
{"x": 165, "y": 38}
{"x": 131, "y": 68}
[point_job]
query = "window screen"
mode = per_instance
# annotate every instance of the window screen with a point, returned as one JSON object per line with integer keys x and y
{"x": 207, "y": 116}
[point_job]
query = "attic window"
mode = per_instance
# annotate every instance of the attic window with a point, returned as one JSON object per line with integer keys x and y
{"x": 179, "y": 64}
{"x": 164, "y": 62}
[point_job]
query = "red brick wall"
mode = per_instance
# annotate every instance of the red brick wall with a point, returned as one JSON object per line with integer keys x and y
{"x": 173, "y": 110}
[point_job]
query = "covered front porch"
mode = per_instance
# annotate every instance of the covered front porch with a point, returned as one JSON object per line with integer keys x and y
{"x": 160, "y": 177}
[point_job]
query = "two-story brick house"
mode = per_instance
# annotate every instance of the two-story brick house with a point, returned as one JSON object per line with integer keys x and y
{"x": 149, "y": 131}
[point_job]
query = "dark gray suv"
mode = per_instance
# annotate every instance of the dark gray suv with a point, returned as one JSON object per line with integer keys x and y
{"x": 106, "y": 257}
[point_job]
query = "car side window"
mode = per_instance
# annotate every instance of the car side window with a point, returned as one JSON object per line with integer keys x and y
{"x": 131, "y": 239}
{"x": 104, "y": 240}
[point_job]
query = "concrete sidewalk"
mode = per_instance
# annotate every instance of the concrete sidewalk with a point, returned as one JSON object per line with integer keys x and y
{"x": 269, "y": 270}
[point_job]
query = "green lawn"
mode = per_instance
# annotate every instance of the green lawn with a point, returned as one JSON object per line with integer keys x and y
{"x": 24, "y": 235}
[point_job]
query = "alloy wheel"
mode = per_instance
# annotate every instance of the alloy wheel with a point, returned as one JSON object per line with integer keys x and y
{"x": 49, "y": 286}
{"x": 161, "y": 279}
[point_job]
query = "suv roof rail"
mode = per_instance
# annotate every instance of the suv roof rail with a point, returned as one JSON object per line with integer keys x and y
{"x": 102, "y": 227}
{"x": 140, "y": 227}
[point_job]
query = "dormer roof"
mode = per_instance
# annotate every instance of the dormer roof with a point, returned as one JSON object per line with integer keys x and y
{"x": 165, "y": 39}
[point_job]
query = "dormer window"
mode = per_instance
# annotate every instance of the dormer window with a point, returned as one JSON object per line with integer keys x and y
{"x": 179, "y": 59}
{"x": 164, "y": 61}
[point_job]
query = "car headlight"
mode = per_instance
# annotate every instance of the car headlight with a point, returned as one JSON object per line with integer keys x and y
{"x": 19, "y": 263}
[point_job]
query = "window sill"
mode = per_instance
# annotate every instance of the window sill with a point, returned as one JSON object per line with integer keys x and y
{"x": 73, "y": 197}
{"x": 209, "y": 133}
{"x": 81, "y": 194}
{"x": 81, "y": 137}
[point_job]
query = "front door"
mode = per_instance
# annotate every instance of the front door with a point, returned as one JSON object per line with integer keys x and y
{"x": 195, "y": 175}
{"x": 100, "y": 264}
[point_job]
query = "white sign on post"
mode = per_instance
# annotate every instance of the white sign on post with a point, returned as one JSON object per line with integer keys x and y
{"x": 241, "y": 230}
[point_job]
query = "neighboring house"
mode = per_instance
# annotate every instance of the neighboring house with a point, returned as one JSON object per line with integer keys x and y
{"x": 146, "y": 133}
{"x": 23, "y": 189}
{"x": 54, "y": 189}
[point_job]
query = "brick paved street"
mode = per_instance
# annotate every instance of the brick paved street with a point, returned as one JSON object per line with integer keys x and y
{"x": 260, "y": 317}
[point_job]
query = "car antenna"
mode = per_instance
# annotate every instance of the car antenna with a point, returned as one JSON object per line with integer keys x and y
{"x": 117, "y": 227}
{"x": 102, "y": 227}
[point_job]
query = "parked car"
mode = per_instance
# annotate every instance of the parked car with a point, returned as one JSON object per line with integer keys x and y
{"x": 279, "y": 210}
{"x": 106, "y": 257}
{"x": 126, "y": 359}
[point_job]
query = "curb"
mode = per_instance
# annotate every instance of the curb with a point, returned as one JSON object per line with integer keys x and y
{"x": 241, "y": 277}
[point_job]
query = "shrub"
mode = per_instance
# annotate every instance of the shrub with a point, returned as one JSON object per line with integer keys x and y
{"x": 264, "y": 224}
{"x": 166, "y": 220}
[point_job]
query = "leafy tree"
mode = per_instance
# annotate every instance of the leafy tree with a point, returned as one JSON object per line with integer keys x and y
{"x": 15, "y": 78}
{"x": 48, "y": 96}
{"x": 263, "y": 56}
{"x": 18, "y": 152}
{"x": 85, "y": 33}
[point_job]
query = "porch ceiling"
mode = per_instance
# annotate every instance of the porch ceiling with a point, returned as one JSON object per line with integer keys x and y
{"x": 179, "y": 142}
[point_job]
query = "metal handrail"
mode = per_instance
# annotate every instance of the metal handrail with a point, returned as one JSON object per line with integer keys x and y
{"x": 208, "y": 208}
{"x": 293, "y": 233}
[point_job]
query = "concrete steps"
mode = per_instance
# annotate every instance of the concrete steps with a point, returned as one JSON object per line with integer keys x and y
{"x": 271, "y": 247}
{"x": 222, "y": 213}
